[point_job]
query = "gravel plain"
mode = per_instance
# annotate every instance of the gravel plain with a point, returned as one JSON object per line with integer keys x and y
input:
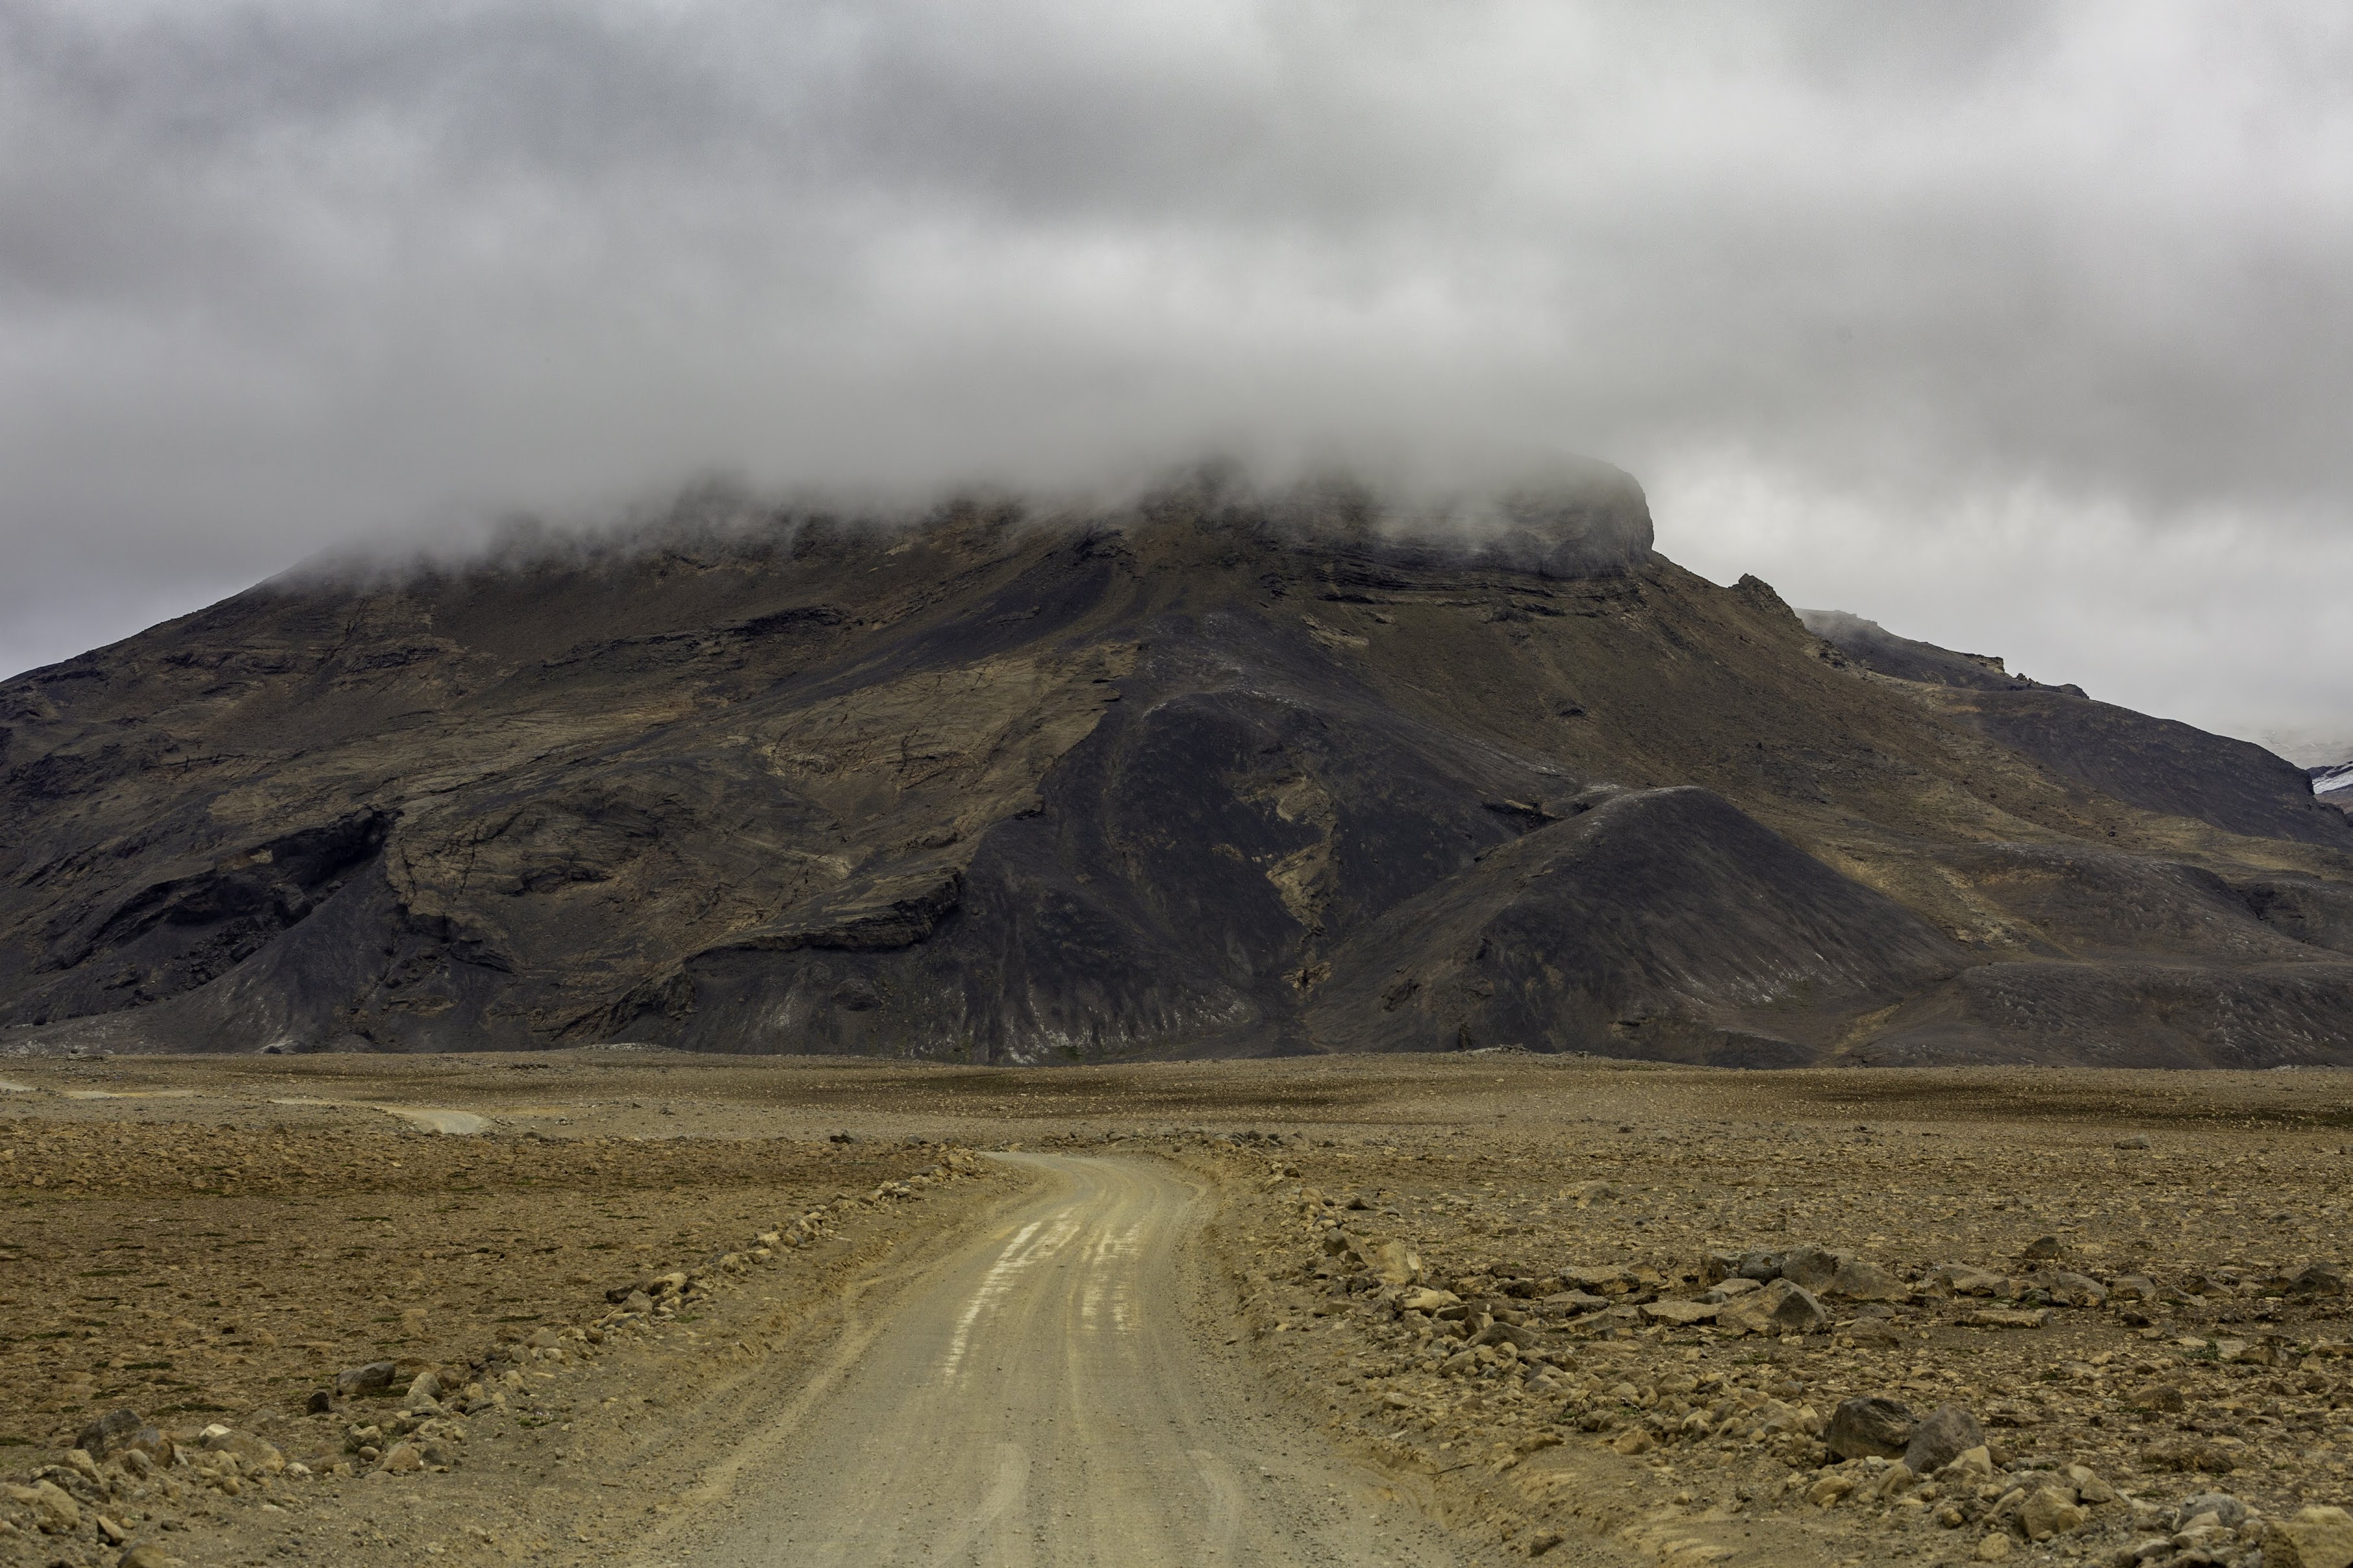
{"x": 1626, "y": 1313}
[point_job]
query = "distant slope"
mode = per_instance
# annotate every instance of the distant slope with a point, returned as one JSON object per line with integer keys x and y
{"x": 2157, "y": 765}
{"x": 1218, "y": 774}
{"x": 2333, "y": 785}
{"x": 1876, "y": 648}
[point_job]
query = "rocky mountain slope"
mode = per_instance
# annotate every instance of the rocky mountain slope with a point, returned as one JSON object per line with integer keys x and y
{"x": 2334, "y": 786}
{"x": 1215, "y": 774}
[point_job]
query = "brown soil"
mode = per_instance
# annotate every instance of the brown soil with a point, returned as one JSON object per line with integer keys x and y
{"x": 217, "y": 1257}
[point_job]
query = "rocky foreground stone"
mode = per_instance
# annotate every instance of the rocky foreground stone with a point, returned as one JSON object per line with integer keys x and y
{"x": 1697, "y": 1332}
{"x": 141, "y": 1486}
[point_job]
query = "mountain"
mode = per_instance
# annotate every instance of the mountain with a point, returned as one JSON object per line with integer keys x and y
{"x": 2333, "y": 785}
{"x": 2159, "y": 764}
{"x": 1215, "y": 773}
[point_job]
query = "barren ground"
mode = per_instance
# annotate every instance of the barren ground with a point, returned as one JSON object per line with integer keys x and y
{"x": 212, "y": 1241}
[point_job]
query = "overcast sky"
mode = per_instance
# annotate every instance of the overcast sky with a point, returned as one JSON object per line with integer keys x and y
{"x": 2025, "y": 328}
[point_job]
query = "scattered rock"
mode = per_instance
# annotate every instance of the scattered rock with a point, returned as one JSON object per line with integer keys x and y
{"x": 1782, "y": 1306}
{"x": 1864, "y": 1428}
{"x": 55, "y": 1512}
{"x": 1993, "y": 1549}
{"x": 2010, "y": 1317}
{"x": 368, "y": 1379}
{"x": 2226, "y": 1510}
{"x": 2074, "y": 1289}
{"x": 2049, "y": 1511}
{"x": 1972, "y": 1464}
{"x": 2315, "y": 1538}
{"x": 1943, "y": 1437}
{"x": 1871, "y": 1331}
{"x": 1968, "y": 1280}
{"x": 252, "y": 1454}
{"x": 2194, "y": 1455}
{"x": 1812, "y": 1268}
{"x": 1859, "y": 1281}
{"x": 403, "y": 1459}
{"x": 1679, "y": 1314}
{"x": 2089, "y": 1488}
{"x": 2042, "y": 1248}
{"x": 122, "y": 1431}
{"x": 1576, "y": 1301}
{"x": 1394, "y": 1264}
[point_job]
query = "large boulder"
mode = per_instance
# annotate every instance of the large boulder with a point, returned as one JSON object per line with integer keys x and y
{"x": 1813, "y": 1266}
{"x": 2315, "y": 1538}
{"x": 55, "y": 1512}
{"x": 1394, "y": 1263}
{"x": 2051, "y": 1511}
{"x": 2071, "y": 1289}
{"x": 1948, "y": 1432}
{"x": 368, "y": 1379}
{"x": 254, "y": 1455}
{"x": 124, "y": 1431}
{"x": 1863, "y": 1427}
{"x": 1968, "y": 1280}
{"x": 1782, "y": 1306}
{"x": 1679, "y": 1314}
{"x": 1857, "y": 1280}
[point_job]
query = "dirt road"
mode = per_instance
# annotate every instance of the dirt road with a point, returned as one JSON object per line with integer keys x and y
{"x": 1036, "y": 1400}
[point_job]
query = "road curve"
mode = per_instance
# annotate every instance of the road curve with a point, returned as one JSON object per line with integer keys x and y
{"x": 1034, "y": 1400}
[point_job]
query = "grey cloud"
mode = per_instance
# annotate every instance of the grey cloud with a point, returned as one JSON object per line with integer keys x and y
{"x": 277, "y": 274}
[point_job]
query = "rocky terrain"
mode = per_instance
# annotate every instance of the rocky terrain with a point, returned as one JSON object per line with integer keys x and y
{"x": 1604, "y": 1313}
{"x": 2333, "y": 785}
{"x": 1214, "y": 774}
{"x": 219, "y": 1308}
{"x": 1895, "y": 1331}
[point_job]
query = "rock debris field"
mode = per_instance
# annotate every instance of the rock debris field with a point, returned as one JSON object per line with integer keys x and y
{"x": 1916, "y": 1337}
{"x": 1593, "y": 1313}
{"x": 213, "y": 1312}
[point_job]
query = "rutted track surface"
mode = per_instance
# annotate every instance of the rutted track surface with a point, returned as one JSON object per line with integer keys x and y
{"x": 1035, "y": 1401}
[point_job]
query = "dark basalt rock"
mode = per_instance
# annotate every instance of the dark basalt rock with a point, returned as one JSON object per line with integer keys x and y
{"x": 1861, "y": 1427}
{"x": 1945, "y": 1434}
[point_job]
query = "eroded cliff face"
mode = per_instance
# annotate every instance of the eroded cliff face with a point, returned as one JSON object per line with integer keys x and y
{"x": 1205, "y": 776}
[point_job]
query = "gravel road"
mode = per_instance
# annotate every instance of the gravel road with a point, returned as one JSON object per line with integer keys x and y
{"x": 1048, "y": 1394}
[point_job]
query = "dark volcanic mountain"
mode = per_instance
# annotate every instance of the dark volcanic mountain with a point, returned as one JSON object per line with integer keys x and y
{"x": 1208, "y": 776}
